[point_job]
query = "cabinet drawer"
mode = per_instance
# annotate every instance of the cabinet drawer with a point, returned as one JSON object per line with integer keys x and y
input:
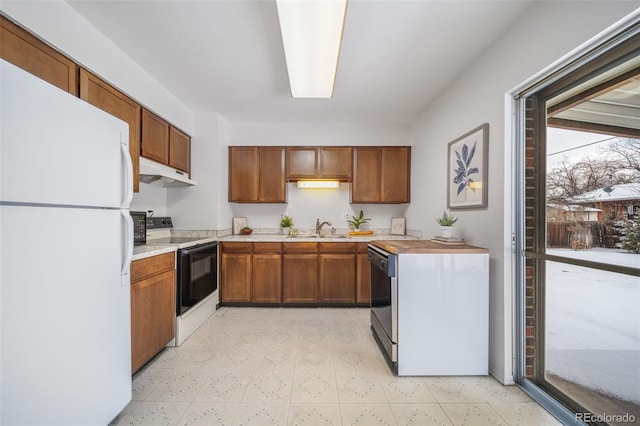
{"x": 337, "y": 247}
{"x": 363, "y": 247}
{"x": 267, "y": 247}
{"x": 140, "y": 269}
{"x": 236, "y": 247}
{"x": 300, "y": 247}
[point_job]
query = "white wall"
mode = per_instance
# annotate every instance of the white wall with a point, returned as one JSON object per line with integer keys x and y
{"x": 150, "y": 197}
{"x": 196, "y": 207}
{"x": 547, "y": 31}
{"x": 306, "y": 205}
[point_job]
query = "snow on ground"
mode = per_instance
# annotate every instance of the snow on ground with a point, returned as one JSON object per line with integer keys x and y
{"x": 593, "y": 323}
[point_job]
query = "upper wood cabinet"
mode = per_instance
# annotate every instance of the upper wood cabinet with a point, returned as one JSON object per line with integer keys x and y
{"x": 179, "y": 150}
{"x": 161, "y": 141}
{"x": 319, "y": 163}
{"x": 381, "y": 175}
{"x": 100, "y": 94}
{"x": 256, "y": 174}
{"x": 155, "y": 138}
{"x": 26, "y": 51}
{"x": 164, "y": 143}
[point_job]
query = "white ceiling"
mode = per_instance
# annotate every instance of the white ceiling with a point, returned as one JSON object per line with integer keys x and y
{"x": 227, "y": 56}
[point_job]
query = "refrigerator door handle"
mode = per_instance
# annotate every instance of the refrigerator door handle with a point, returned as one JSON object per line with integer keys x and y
{"x": 128, "y": 248}
{"x": 128, "y": 180}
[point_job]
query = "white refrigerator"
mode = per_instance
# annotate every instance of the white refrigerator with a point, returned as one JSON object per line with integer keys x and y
{"x": 66, "y": 245}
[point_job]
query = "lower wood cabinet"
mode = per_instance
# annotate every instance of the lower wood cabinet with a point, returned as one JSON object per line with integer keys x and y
{"x": 363, "y": 275}
{"x": 235, "y": 272}
{"x": 294, "y": 273}
{"x": 300, "y": 272}
{"x": 153, "y": 307}
{"x": 266, "y": 263}
{"x": 337, "y": 269}
{"x": 300, "y": 278}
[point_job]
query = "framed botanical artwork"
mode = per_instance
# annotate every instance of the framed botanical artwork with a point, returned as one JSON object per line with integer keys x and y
{"x": 467, "y": 161}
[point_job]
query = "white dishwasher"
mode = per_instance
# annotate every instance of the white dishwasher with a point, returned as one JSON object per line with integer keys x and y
{"x": 430, "y": 309}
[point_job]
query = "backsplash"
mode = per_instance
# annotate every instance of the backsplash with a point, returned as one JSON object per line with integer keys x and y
{"x": 307, "y": 205}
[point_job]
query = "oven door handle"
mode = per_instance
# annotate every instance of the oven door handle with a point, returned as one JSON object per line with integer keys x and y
{"x": 198, "y": 248}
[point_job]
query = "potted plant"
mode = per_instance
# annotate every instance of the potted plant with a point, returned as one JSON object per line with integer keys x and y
{"x": 286, "y": 223}
{"x": 357, "y": 222}
{"x": 246, "y": 230}
{"x": 446, "y": 222}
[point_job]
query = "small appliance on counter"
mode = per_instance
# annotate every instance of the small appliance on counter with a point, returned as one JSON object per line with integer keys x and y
{"x": 139, "y": 228}
{"x": 196, "y": 275}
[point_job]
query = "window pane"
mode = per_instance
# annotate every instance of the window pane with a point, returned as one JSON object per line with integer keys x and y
{"x": 592, "y": 337}
{"x": 593, "y": 195}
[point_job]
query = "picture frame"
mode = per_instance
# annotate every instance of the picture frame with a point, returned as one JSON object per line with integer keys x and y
{"x": 467, "y": 162}
{"x": 398, "y": 225}
{"x": 238, "y": 224}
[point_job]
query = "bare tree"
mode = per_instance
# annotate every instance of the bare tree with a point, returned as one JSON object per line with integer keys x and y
{"x": 626, "y": 153}
{"x": 619, "y": 164}
{"x": 568, "y": 179}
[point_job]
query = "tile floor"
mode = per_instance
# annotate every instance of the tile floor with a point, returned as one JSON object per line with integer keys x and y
{"x": 290, "y": 366}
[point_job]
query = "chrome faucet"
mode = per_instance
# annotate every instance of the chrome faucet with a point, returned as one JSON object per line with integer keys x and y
{"x": 320, "y": 225}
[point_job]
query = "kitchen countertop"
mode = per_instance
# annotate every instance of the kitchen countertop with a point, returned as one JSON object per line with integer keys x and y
{"x": 425, "y": 246}
{"x": 256, "y": 238}
{"x": 144, "y": 251}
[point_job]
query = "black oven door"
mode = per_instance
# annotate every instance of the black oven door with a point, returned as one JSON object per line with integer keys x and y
{"x": 197, "y": 275}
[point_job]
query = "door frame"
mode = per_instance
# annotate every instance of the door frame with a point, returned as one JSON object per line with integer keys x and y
{"x": 580, "y": 62}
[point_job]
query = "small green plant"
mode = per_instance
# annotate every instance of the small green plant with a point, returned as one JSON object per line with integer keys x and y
{"x": 447, "y": 219}
{"x": 286, "y": 221}
{"x": 358, "y": 221}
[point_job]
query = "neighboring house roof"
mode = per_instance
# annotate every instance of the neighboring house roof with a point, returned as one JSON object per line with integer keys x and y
{"x": 573, "y": 208}
{"x": 622, "y": 192}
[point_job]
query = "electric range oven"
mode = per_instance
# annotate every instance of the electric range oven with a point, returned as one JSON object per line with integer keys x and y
{"x": 197, "y": 275}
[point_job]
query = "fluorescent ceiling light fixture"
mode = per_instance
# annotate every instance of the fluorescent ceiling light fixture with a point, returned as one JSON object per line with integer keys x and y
{"x": 318, "y": 184}
{"x": 311, "y": 35}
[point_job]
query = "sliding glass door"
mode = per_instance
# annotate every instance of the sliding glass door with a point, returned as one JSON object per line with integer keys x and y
{"x": 580, "y": 225}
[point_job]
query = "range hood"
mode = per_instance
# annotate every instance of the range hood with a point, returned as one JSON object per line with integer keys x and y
{"x": 152, "y": 172}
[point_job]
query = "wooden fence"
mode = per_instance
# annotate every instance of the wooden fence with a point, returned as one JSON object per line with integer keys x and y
{"x": 580, "y": 235}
